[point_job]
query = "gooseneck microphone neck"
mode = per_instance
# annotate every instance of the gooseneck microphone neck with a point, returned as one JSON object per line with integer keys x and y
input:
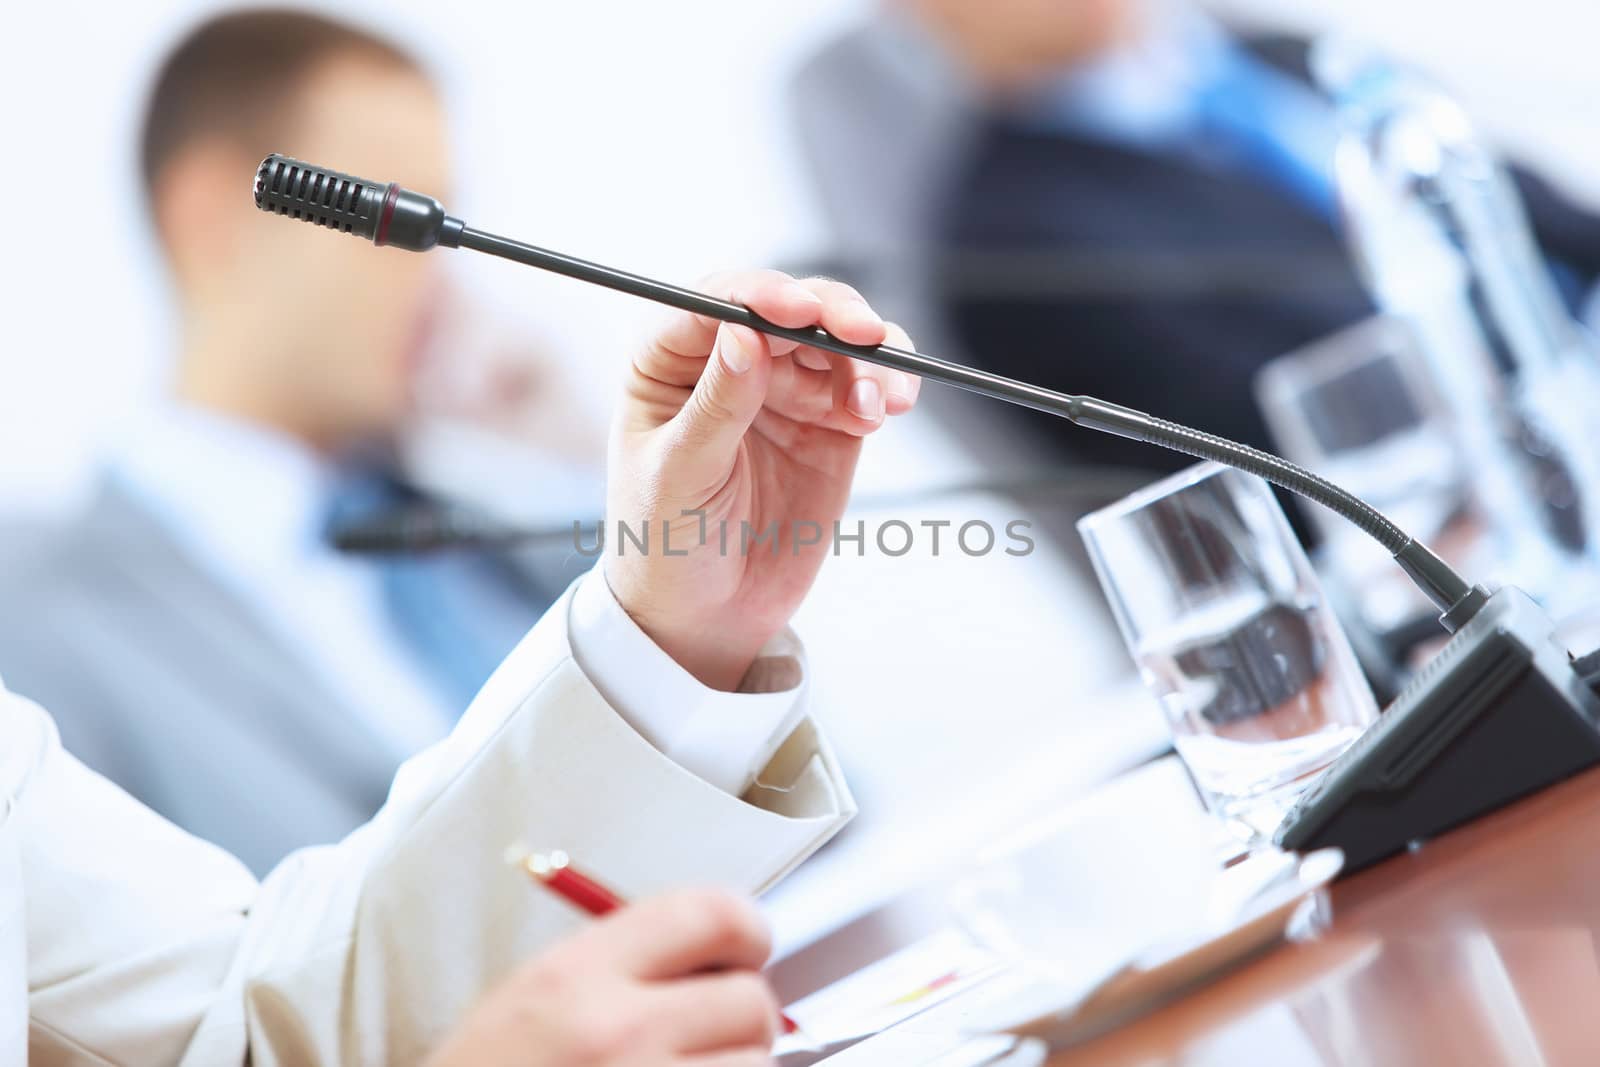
{"x": 387, "y": 214}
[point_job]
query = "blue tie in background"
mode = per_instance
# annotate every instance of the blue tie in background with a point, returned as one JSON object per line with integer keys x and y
{"x": 459, "y": 612}
{"x": 1252, "y": 118}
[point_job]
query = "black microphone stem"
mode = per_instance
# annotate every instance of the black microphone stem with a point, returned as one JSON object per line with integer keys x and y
{"x": 941, "y": 370}
{"x": 1442, "y": 585}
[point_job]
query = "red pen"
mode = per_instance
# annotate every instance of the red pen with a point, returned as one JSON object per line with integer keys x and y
{"x": 555, "y": 872}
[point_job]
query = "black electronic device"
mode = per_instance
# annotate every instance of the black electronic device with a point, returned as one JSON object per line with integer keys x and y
{"x": 1502, "y": 711}
{"x": 1499, "y": 712}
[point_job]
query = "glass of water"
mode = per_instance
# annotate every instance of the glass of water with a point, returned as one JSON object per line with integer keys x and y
{"x": 1231, "y": 631}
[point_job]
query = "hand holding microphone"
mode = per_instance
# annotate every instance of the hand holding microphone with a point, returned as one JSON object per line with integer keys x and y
{"x": 743, "y": 416}
{"x": 724, "y": 436}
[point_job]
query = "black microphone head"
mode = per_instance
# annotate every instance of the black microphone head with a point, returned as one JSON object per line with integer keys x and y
{"x": 383, "y": 214}
{"x": 326, "y": 197}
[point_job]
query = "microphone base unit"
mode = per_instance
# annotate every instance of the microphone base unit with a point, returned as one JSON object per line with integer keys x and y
{"x": 1501, "y": 712}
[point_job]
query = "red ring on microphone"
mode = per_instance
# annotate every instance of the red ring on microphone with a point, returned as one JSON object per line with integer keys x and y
{"x": 391, "y": 196}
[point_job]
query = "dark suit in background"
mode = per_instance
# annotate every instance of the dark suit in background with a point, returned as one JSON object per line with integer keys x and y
{"x": 1224, "y": 271}
{"x": 1092, "y": 264}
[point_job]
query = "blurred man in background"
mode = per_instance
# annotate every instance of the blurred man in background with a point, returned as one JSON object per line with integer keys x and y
{"x": 1113, "y": 197}
{"x": 196, "y": 637}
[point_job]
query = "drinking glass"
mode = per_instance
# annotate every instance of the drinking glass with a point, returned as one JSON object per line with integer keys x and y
{"x": 1231, "y": 631}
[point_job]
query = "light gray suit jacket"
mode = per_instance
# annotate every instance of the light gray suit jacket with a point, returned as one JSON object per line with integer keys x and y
{"x": 168, "y": 684}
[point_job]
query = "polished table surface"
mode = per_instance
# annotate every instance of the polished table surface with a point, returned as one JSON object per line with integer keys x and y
{"x": 1478, "y": 948}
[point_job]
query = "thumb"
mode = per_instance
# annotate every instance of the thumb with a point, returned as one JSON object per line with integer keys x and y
{"x": 730, "y": 392}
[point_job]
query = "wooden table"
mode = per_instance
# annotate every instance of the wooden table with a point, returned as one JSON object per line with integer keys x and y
{"x": 1478, "y": 949}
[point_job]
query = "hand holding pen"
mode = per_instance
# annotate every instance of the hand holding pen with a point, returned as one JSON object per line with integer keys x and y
{"x": 555, "y": 872}
{"x": 673, "y": 981}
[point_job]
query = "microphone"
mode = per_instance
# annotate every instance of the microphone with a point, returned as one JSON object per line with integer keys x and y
{"x": 383, "y": 214}
{"x": 434, "y": 527}
{"x": 1501, "y": 711}
{"x": 416, "y": 222}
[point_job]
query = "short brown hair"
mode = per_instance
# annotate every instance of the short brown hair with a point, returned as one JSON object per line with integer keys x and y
{"x": 234, "y": 76}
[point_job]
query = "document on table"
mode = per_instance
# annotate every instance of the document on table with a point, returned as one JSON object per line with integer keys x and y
{"x": 941, "y": 1036}
{"x": 887, "y": 993}
{"x": 1111, "y": 886}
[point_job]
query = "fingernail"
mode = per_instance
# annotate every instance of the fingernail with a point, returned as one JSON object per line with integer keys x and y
{"x": 898, "y": 403}
{"x": 865, "y": 400}
{"x": 732, "y": 350}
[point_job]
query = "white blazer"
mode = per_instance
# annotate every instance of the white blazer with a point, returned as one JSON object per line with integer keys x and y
{"x": 123, "y": 940}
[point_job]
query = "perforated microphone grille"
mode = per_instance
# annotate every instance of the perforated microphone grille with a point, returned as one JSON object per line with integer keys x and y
{"x": 326, "y": 197}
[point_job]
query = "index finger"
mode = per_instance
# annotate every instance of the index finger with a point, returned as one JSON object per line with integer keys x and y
{"x": 683, "y": 933}
{"x": 681, "y": 344}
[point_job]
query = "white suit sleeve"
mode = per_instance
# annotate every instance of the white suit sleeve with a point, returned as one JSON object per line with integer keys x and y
{"x": 148, "y": 946}
{"x": 725, "y": 738}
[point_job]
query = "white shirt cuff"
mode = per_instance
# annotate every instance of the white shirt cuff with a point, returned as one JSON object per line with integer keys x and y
{"x": 723, "y": 738}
